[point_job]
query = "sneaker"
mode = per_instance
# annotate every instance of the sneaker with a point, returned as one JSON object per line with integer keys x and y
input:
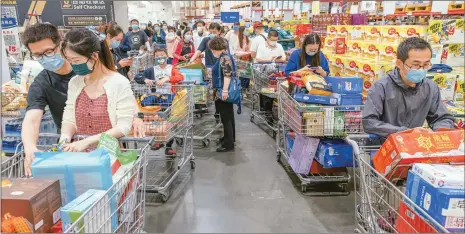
{"x": 170, "y": 152}
{"x": 156, "y": 146}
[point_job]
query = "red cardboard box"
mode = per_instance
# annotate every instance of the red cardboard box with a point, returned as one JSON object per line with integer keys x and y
{"x": 410, "y": 222}
{"x": 317, "y": 168}
{"x": 340, "y": 45}
{"x": 402, "y": 149}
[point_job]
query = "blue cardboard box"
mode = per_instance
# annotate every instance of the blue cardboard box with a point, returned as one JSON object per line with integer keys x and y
{"x": 315, "y": 99}
{"x": 290, "y": 137}
{"x": 345, "y": 85}
{"x": 334, "y": 153}
{"x": 445, "y": 205}
{"x": 193, "y": 75}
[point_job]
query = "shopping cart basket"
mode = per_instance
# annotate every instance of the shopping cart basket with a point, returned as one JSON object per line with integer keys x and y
{"x": 245, "y": 73}
{"x": 128, "y": 191}
{"x": 381, "y": 206}
{"x": 168, "y": 114}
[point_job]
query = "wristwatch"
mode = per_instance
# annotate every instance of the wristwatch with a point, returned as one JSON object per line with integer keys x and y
{"x": 139, "y": 115}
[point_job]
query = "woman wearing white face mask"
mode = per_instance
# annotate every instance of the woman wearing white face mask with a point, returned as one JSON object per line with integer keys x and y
{"x": 185, "y": 49}
{"x": 271, "y": 50}
{"x": 171, "y": 43}
{"x": 200, "y": 33}
{"x": 309, "y": 57}
{"x": 114, "y": 35}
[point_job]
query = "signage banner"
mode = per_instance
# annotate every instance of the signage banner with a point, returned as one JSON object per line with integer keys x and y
{"x": 10, "y": 31}
{"x": 230, "y": 17}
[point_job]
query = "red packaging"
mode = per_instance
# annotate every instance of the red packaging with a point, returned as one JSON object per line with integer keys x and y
{"x": 340, "y": 45}
{"x": 317, "y": 168}
{"x": 402, "y": 149}
{"x": 410, "y": 222}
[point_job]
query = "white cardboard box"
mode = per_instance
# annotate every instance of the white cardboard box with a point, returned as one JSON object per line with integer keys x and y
{"x": 441, "y": 175}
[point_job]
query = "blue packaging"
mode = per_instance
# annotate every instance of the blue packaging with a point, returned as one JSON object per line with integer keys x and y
{"x": 193, "y": 75}
{"x": 345, "y": 85}
{"x": 315, "y": 99}
{"x": 444, "y": 205}
{"x": 334, "y": 153}
{"x": 290, "y": 142}
{"x": 77, "y": 172}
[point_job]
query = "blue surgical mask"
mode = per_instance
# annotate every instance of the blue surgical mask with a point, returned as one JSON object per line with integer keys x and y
{"x": 235, "y": 28}
{"x": 212, "y": 35}
{"x": 82, "y": 69}
{"x": 53, "y": 63}
{"x": 160, "y": 60}
{"x": 188, "y": 37}
{"x": 416, "y": 76}
{"x": 157, "y": 28}
{"x": 114, "y": 44}
{"x": 311, "y": 53}
{"x": 134, "y": 26}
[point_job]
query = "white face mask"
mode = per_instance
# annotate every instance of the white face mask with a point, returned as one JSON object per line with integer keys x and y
{"x": 272, "y": 43}
{"x": 200, "y": 29}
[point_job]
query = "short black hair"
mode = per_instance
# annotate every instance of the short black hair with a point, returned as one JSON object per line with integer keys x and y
{"x": 160, "y": 49}
{"x": 273, "y": 33}
{"x": 39, "y": 32}
{"x": 412, "y": 43}
{"x": 216, "y": 26}
{"x": 200, "y": 21}
{"x": 134, "y": 20}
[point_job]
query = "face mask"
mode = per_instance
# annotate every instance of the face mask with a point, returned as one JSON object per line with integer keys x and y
{"x": 188, "y": 37}
{"x": 212, "y": 35}
{"x": 160, "y": 60}
{"x": 272, "y": 43}
{"x": 114, "y": 44}
{"x": 311, "y": 53}
{"x": 52, "y": 63}
{"x": 200, "y": 29}
{"x": 157, "y": 28}
{"x": 235, "y": 28}
{"x": 416, "y": 76}
{"x": 82, "y": 69}
{"x": 165, "y": 28}
{"x": 134, "y": 26}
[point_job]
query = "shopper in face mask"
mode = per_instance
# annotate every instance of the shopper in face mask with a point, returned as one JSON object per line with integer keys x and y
{"x": 171, "y": 42}
{"x": 100, "y": 100}
{"x": 159, "y": 36}
{"x": 210, "y": 60}
{"x": 271, "y": 50}
{"x": 165, "y": 27}
{"x": 232, "y": 36}
{"x": 114, "y": 36}
{"x": 136, "y": 37}
{"x": 404, "y": 99}
{"x": 185, "y": 49}
{"x": 309, "y": 58}
{"x": 200, "y": 33}
{"x": 157, "y": 76}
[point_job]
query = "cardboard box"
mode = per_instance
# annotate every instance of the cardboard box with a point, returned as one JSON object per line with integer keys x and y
{"x": 314, "y": 124}
{"x": 357, "y": 32}
{"x": 345, "y": 85}
{"x": 446, "y": 83}
{"x": 334, "y": 153}
{"x": 351, "y": 66}
{"x": 331, "y": 31}
{"x": 436, "y": 53}
{"x": 441, "y": 175}
{"x": 446, "y": 206}
{"x": 408, "y": 31}
{"x": 390, "y": 34}
{"x": 354, "y": 48}
{"x": 408, "y": 221}
{"x": 37, "y": 200}
{"x": 343, "y": 31}
{"x": 446, "y": 31}
{"x": 302, "y": 153}
{"x": 337, "y": 65}
{"x": 71, "y": 212}
{"x": 453, "y": 55}
{"x": 460, "y": 89}
{"x": 373, "y": 33}
{"x": 315, "y": 99}
{"x": 329, "y": 45}
{"x": 370, "y": 50}
{"x": 318, "y": 169}
{"x": 340, "y": 45}
{"x": 402, "y": 149}
{"x": 388, "y": 53}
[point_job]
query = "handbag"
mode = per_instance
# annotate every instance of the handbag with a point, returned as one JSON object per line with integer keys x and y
{"x": 234, "y": 90}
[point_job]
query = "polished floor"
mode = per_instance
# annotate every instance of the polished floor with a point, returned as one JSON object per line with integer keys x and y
{"x": 245, "y": 191}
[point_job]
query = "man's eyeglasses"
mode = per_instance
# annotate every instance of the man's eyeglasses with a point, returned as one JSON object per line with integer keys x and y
{"x": 48, "y": 53}
{"x": 418, "y": 67}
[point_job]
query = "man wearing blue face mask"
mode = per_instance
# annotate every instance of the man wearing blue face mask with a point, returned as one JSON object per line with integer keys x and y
{"x": 233, "y": 36}
{"x": 404, "y": 99}
{"x": 137, "y": 37}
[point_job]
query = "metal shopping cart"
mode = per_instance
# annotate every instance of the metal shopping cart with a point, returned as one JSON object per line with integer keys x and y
{"x": 316, "y": 121}
{"x": 140, "y": 62}
{"x": 168, "y": 114}
{"x": 245, "y": 74}
{"x": 265, "y": 91}
{"x": 128, "y": 192}
{"x": 381, "y": 206}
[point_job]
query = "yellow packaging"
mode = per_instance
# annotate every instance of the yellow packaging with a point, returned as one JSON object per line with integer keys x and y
{"x": 357, "y": 32}
{"x": 435, "y": 32}
{"x": 354, "y": 48}
{"x": 446, "y": 83}
{"x": 408, "y": 31}
{"x": 436, "y": 53}
{"x": 337, "y": 65}
{"x": 371, "y": 71}
{"x": 331, "y": 31}
{"x": 370, "y": 50}
{"x": 460, "y": 90}
{"x": 343, "y": 31}
{"x": 373, "y": 33}
{"x": 352, "y": 66}
{"x": 390, "y": 34}
{"x": 329, "y": 45}
{"x": 453, "y": 55}
{"x": 446, "y": 31}
{"x": 388, "y": 52}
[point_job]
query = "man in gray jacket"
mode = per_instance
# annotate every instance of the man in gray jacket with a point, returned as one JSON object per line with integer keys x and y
{"x": 404, "y": 99}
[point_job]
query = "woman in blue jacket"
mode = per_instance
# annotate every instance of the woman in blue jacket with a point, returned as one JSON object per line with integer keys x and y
{"x": 309, "y": 57}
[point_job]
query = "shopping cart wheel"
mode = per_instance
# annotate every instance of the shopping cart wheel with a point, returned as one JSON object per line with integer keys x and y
{"x": 344, "y": 188}
{"x": 206, "y": 143}
{"x": 179, "y": 141}
{"x": 304, "y": 188}
{"x": 192, "y": 165}
{"x": 278, "y": 157}
{"x": 165, "y": 197}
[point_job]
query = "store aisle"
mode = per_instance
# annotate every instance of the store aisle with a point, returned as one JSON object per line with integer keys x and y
{"x": 246, "y": 191}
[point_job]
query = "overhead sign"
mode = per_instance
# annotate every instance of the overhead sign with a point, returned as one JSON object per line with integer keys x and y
{"x": 230, "y": 17}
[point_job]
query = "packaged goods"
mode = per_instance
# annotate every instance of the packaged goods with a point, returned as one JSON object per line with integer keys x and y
{"x": 334, "y": 153}
{"x": 446, "y": 83}
{"x": 436, "y": 54}
{"x": 315, "y": 99}
{"x": 342, "y": 31}
{"x": 354, "y": 49}
{"x": 345, "y": 85}
{"x": 453, "y": 54}
{"x": 357, "y": 32}
{"x": 348, "y": 99}
{"x": 33, "y": 204}
{"x": 409, "y": 221}
{"x": 331, "y": 31}
{"x": 101, "y": 212}
{"x": 402, "y": 149}
{"x": 446, "y": 31}
{"x": 390, "y": 34}
{"x": 77, "y": 172}
{"x": 445, "y": 205}
{"x": 460, "y": 89}
{"x": 329, "y": 45}
{"x": 318, "y": 169}
{"x": 441, "y": 175}
{"x": 388, "y": 53}
{"x": 373, "y": 33}
{"x": 370, "y": 50}
{"x": 316, "y": 85}
{"x": 353, "y": 121}
{"x": 372, "y": 71}
{"x": 351, "y": 66}
{"x": 302, "y": 153}
{"x": 314, "y": 123}
{"x": 337, "y": 66}
{"x": 290, "y": 138}
{"x": 194, "y": 75}
{"x": 340, "y": 45}
{"x": 407, "y": 31}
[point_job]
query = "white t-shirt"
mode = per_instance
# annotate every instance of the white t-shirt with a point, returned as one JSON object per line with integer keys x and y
{"x": 160, "y": 73}
{"x": 266, "y": 52}
{"x": 256, "y": 41}
{"x": 198, "y": 39}
{"x": 232, "y": 40}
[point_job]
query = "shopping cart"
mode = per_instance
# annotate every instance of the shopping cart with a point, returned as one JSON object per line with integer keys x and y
{"x": 168, "y": 114}
{"x": 140, "y": 62}
{"x": 316, "y": 121}
{"x": 128, "y": 191}
{"x": 265, "y": 87}
{"x": 381, "y": 206}
{"x": 245, "y": 74}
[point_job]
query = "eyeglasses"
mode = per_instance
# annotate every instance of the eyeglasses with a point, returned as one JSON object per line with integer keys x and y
{"x": 48, "y": 53}
{"x": 418, "y": 67}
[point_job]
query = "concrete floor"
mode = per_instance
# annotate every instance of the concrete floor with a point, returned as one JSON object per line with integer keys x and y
{"x": 246, "y": 191}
